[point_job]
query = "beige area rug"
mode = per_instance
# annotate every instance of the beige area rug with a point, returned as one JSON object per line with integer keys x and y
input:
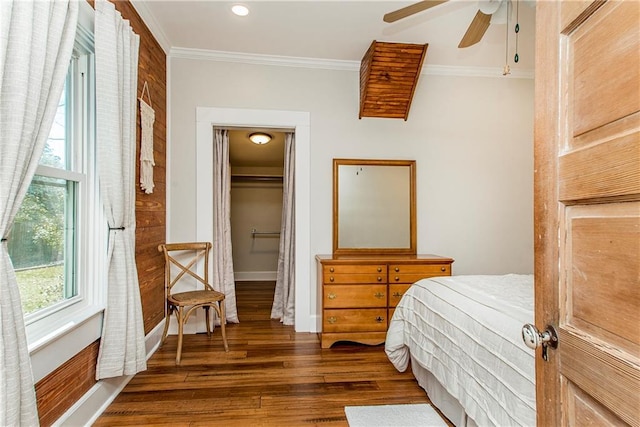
{"x": 414, "y": 415}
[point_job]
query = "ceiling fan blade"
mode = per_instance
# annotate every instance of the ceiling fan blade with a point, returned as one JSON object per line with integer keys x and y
{"x": 411, "y": 9}
{"x": 476, "y": 30}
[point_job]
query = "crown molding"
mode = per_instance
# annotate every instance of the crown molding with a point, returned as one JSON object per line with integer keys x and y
{"x": 333, "y": 64}
{"x": 259, "y": 59}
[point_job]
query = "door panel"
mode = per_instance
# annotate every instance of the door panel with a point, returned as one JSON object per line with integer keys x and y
{"x": 603, "y": 249}
{"x": 587, "y": 411}
{"x": 601, "y": 49}
{"x": 587, "y": 211}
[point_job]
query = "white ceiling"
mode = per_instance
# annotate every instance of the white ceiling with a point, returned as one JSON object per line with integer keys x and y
{"x": 335, "y": 30}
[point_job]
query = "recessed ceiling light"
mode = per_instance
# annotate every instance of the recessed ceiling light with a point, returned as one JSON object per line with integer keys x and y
{"x": 240, "y": 9}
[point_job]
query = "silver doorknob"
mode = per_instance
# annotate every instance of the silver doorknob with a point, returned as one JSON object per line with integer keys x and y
{"x": 533, "y": 338}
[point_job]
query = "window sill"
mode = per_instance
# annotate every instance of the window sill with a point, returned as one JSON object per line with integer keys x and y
{"x": 50, "y": 351}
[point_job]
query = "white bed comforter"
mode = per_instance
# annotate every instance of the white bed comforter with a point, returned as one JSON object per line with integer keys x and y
{"x": 466, "y": 330}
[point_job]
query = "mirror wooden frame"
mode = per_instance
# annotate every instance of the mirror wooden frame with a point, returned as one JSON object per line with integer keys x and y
{"x": 411, "y": 249}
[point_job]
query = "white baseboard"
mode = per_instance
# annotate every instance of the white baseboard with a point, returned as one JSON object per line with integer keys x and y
{"x": 89, "y": 407}
{"x": 254, "y": 276}
{"x": 316, "y": 321}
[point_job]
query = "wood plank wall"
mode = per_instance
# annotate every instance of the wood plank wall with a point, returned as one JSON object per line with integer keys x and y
{"x": 58, "y": 391}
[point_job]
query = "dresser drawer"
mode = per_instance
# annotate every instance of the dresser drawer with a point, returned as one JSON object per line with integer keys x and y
{"x": 380, "y": 269}
{"x": 355, "y": 320}
{"x": 396, "y": 291}
{"x": 411, "y": 273}
{"x": 348, "y": 296}
{"x": 356, "y": 278}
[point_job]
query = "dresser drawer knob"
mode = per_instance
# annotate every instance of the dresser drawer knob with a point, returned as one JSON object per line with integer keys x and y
{"x": 332, "y": 319}
{"x": 397, "y": 279}
{"x": 331, "y": 279}
{"x": 443, "y": 268}
{"x": 379, "y": 279}
{"x": 379, "y": 269}
{"x": 397, "y": 269}
{"x": 397, "y": 294}
{"x": 379, "y": 295}
{"x": 331, "y": 269}
{"x": 379, "y": 319}
{"x": 331, "y": 295}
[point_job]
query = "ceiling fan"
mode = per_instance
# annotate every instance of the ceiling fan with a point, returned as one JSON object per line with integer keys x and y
{"x": 488, "y": 11}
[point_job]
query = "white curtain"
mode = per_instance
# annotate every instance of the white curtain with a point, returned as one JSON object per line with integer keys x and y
{"x": 122, "y": 349}
{"x": 36, "y": 41}
{"x": 223, "y": 280}
{"x": 284, "y": 297}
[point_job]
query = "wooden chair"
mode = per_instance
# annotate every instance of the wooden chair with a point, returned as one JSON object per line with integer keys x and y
{"x": 183, "y": 304}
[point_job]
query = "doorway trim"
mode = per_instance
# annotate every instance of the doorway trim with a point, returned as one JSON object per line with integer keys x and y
{"x": 209, "y": 117}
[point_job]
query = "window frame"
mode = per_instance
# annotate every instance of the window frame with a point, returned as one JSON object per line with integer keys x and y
{"x": 57, "y": 333}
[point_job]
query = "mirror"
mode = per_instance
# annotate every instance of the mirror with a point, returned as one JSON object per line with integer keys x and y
{"x": 374, "y": 207}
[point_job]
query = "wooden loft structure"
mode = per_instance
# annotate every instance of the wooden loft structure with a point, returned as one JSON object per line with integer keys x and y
{"x": 388, "y": 76}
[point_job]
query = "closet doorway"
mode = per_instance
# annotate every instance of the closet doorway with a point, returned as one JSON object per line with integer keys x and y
{"x": 256, "y": 216}
{"x": 209, "y": 118}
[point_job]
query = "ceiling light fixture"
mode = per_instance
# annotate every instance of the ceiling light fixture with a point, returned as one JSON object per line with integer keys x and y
{"x": 260, "y": 138}
{"x": 240, "y": 9}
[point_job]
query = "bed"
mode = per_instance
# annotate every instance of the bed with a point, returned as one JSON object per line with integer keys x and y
{"x": 461, "y": 335}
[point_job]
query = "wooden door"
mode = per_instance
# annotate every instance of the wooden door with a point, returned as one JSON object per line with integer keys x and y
{"x": 587, "y": 211}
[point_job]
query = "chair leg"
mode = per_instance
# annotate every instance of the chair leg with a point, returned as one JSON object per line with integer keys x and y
{"x": 207, "y": 320}
{"x": 166, "y": 323}
{"x": 180, "y": 327}
{"x": 223, "y": 321}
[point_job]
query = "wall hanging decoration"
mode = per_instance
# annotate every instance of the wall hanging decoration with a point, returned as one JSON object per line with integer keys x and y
{"x": 147, "y": 118}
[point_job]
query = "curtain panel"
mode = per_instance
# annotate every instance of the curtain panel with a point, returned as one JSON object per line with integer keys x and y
{"x": 122, "y": 348}
{"x": 284, "y": 296}
{"x": 223, "y": 278}
{"x": 36, "y": 41}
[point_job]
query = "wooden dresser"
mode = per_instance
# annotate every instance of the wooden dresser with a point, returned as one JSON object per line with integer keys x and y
{"x": 360, "y": 292}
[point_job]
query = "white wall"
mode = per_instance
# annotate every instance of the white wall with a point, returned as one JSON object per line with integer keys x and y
{"x": 255, "y": 205}
{"x": 470, "y": 136}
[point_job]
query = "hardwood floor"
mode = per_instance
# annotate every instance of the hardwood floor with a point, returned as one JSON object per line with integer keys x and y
{"x": 272, "y": 376}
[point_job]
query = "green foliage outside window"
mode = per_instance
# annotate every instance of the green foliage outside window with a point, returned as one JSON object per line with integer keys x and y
{"x": 40, "y": 287}
{"x": 37, "y": 240}
{"x": 37, "y": 236}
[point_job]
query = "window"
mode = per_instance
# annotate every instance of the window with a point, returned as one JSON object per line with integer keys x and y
{"x": 42, "y": 244}
{"x": 55, "y": 242}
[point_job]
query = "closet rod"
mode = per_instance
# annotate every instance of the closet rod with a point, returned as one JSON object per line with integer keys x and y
{"x": 255, "y": 233}
{"x": 256, "y": 178}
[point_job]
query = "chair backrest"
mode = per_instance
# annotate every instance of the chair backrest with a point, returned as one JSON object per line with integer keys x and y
{"x": 185, "y": 257}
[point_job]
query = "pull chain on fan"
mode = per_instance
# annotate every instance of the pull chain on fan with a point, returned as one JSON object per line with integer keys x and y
{"x": 507, "y": 69}
{"x": 516, "y": 58}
